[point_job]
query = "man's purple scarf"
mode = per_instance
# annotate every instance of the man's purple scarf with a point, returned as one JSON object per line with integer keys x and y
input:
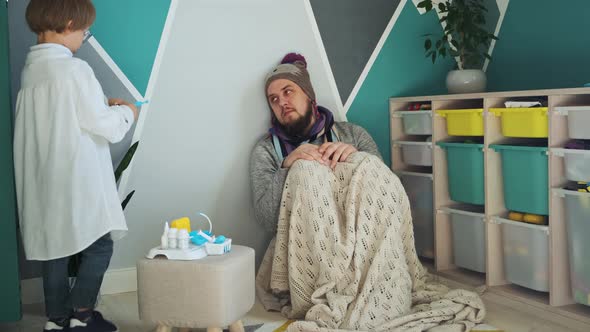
{"x": 323, "y": 125}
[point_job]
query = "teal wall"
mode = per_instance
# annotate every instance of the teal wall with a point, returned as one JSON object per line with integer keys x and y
{"x": 402, "y": 70}
{"x": 399, "y": 70}
{"x": 543, "y": 44}
{"x": 9, "y": 279}
{"x": 130, "y": 32}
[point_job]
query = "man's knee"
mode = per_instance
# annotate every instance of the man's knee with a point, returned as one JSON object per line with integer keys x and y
{"x": 308, "y": 167}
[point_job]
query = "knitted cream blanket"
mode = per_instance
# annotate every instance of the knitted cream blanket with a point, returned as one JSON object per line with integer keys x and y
{"x": 344, "y": 256}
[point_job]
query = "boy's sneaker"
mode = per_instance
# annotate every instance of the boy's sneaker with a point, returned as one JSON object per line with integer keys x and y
{"x": 57, "y": 325}
{"x": 90, "y": 321}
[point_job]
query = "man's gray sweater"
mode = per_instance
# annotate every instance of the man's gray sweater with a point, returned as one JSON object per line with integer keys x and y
{"x": 267, "y": 177}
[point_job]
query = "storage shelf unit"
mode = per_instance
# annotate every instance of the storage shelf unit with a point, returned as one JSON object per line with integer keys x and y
{"x": 559, "y": 298}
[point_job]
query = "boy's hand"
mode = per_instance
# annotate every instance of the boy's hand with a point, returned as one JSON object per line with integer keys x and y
{"x": 116, "y": 101}
{"x": 119, "y": 101}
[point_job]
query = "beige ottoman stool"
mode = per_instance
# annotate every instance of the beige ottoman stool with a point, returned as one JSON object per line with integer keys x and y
{"x": 212, "y": 292}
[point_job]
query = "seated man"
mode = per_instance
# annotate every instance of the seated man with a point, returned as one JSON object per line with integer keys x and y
{"x": 300, "y": 130}
{"x": 343, "y": 256}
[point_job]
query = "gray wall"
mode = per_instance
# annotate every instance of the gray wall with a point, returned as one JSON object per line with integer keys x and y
{"x": 206, "y": 114}
{"x": 194, "y": 151}
{"x": 350, "y": 31}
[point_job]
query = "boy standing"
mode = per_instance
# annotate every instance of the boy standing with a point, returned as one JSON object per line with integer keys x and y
{"x": 66, "y": 191}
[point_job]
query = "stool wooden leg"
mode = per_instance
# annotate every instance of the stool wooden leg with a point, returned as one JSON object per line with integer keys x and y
{"x": 163, "y": 328}
{"x": 214, "y": 329}
{"x": 236, "y": 327}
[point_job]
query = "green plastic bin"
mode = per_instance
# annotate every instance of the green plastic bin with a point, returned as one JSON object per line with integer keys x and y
{"x": 525, "y": 173}
{"x": 465, "y": 172}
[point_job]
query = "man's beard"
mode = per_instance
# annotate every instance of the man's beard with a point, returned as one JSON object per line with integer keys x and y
{"x": 299, "y": 127}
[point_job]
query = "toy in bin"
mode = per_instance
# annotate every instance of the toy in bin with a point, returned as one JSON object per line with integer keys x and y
{"x": 179, "y": 243}
{"x": 528, "y": 218}
{"x": 420, "y": 107}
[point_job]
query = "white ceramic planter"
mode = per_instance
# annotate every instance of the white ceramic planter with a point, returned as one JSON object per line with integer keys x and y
{"x": 466, "y": 81}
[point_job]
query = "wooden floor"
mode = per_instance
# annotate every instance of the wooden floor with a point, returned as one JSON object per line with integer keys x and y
{"x": 502, "y": 312}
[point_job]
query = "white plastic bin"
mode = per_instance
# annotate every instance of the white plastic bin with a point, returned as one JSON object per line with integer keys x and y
{"x": 577, "y": 213}
{"x": 526, "y": 254}
{"x": 419, "y": 189}
{"x": 577, "y": 163}
{"x": 417, "y": 122}
{"x": 578, "y": 118}
{"x": 469, "y": 241}
{"x": 416, "y": 153}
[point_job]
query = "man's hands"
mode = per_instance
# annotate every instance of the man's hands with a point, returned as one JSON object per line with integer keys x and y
{"x": 305, "y": 152}
{"x": 119, "y": 101}
{"x": 328, "y": 154}
{"x": 333, "y": 152}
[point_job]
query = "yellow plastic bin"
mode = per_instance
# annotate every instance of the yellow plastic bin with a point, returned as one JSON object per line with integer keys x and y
{"x": 523, "y": 122}
{"x": 466, "y": 122}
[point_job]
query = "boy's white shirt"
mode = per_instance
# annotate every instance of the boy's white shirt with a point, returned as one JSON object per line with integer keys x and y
{"x": 66, "y": 191}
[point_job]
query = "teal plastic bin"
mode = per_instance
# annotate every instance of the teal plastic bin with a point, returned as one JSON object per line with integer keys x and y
{"x": 525, "y": 173}
{"x": 465, "y": 172}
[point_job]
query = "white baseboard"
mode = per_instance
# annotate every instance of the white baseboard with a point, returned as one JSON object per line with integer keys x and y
{"x": 115, "y": 281}
{"x": 118, "y": 281}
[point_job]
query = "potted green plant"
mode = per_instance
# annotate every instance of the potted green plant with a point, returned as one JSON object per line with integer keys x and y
{"x": 122, "y": 167}
{"x": 465, "y": 38}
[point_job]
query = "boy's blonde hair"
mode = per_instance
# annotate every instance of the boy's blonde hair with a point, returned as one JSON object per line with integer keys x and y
{"x": 54, "y": 15}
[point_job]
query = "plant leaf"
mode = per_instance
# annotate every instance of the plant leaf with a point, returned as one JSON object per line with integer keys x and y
{"x": 126, "y": 161}
{"x": 427, "y": 44}
{"x": 465, "y": 34}
{"x": 74, "y": 264}
{"x": 422, "y": 4}
{"x": 127, "y": 199}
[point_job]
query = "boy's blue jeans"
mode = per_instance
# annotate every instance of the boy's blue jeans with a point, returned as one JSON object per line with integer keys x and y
{"x": 60, "y": 298}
